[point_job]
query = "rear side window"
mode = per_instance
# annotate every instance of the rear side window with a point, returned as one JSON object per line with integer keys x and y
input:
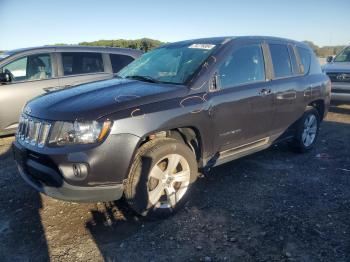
{"x": 281, "y": 60}
{"x": 81, "y": 63}
{"x": 305, "y": 59}
{"x": 245, "y": 65}
{"x": 120, "y": 61}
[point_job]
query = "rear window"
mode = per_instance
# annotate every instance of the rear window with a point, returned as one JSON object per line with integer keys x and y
{"x": 82, "y": 63}
{"x": 305, "y": 59}
{"x": 120, "y": 61}
{"x": 281, "y": 60}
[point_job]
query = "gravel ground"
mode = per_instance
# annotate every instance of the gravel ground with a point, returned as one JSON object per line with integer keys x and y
{"x": 271, "y": 206}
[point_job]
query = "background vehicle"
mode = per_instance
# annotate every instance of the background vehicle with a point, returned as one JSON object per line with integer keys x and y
{"x": 179, "y": 108}
{"x": 27, "y": 73}
{"x": 338, "y": 70}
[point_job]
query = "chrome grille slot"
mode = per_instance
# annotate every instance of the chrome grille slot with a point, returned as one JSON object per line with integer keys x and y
{"x": 33, "y": 131}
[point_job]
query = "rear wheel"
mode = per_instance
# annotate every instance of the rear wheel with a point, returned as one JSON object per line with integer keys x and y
{"x": 307, "y": 131}
{"x": 160, "y": 177}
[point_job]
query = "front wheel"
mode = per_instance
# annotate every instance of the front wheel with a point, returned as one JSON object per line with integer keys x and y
{"x": 160, "y": 177}
{"x": 306, "y": 131}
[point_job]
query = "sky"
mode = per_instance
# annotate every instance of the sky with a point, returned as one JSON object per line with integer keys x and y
{"x": 26, "y": 23}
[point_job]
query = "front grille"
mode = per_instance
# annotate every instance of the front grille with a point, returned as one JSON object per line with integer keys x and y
{"x": 339, "y": 77}
{"x": 33, "y": 131}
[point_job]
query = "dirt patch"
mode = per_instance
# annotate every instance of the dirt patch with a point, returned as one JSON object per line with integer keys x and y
{"x": 271, "y": 206}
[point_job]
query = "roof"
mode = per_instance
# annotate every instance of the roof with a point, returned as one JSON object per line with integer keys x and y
{"x": 225, "y": 39}
{"x": 72, "y": 48}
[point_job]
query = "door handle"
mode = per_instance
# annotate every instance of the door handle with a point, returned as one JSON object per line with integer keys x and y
{"x": 210, "y": 111}
{"x": 265, "y": 92}
{"x": 288, "y": 95}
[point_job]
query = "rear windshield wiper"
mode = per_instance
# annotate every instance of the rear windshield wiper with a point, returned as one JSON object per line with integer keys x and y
{"x": 143, "y": 78}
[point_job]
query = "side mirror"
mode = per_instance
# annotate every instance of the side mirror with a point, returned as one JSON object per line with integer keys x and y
{"x": 5, "y": 78}
{"x": 330, "y": 59}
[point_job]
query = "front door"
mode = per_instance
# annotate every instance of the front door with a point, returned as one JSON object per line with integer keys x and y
{"x": 30, "y": 76}
{"x": 242, "y": 106}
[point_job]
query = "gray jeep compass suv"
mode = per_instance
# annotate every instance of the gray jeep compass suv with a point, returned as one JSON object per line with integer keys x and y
{"x": 27, "y": 73}
{"x": 177, "y": 109}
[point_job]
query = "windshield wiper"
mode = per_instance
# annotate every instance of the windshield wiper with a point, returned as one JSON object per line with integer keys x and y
{"x": 143, "y": 78}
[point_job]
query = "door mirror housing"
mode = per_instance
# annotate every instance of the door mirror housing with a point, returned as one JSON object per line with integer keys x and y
{"x": 330, "y": 59}
{"x": 5, "y": 78}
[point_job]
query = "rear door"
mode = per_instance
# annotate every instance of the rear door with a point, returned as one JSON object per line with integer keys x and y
{"x": 242, "y": 106}
{"x": 33, "y": 75}
{"x": 288, "y": 85}
{"x": 82, "y": 67}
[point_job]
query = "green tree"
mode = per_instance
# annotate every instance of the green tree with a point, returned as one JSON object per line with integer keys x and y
{"x": 325, "y": 50}
{"x": 144, "y": 44}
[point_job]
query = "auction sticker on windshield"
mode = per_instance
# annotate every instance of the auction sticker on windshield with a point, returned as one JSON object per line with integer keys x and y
{"x": 202, "y": 46}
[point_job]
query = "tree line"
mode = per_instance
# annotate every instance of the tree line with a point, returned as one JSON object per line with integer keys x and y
{"x": 324, "y": 51}
{"x": 144, "y": 44}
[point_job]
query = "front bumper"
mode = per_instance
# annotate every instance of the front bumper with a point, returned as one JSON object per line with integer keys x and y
{"x": 340, "y": 92}
{"x": 51, "y": 171}
{"x": 74, "y": 193}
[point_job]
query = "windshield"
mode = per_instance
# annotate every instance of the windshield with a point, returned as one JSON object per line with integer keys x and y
{"x": 173, "y": 64}
{"x": 343, "y": 56}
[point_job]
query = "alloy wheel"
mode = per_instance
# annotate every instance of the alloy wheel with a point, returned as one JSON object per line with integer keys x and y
{"x": 310, "y": 130}
{"x": 168, "y": 181}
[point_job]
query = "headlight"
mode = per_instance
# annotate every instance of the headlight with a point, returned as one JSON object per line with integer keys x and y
{"x": 79, "y": 132}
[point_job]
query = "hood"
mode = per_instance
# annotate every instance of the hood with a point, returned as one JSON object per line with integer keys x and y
{"x": 94, "y": 100}
{"x": 337, "y": 67}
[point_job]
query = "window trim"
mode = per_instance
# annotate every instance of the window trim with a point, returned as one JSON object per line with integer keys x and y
{"x": 53, "y": 67}
{"x": 291, "y": 55}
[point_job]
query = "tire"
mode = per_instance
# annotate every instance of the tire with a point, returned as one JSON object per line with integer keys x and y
{"x": 156, "y": 186}
{"x": 306, "y": 132}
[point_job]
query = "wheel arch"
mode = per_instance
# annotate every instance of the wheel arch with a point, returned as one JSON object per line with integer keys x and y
{"x": 320, "y": 106}
{"x": 189, "y": 135}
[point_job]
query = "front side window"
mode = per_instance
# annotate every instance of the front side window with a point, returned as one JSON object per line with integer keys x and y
{"x": 343, "y": 56}
{"x": 169, "y": 64}
{"x": 305, "y": 59}
{"x": 245, "y": 65}
{"x": 120, "y": 61}
{"x": 281, "y": 60}
{"x": 81, "y": 63}
{"x": 33, "y": 67}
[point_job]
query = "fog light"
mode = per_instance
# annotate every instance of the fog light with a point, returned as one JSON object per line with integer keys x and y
{"x": 80, "y": 171}
{"x": 74, "y": 171}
